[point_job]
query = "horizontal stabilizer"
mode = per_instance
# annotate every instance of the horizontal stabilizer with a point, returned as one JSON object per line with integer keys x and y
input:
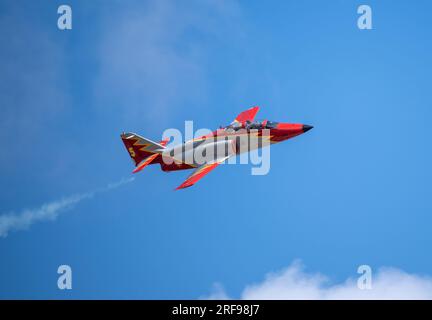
{"x": 145, "y": 163}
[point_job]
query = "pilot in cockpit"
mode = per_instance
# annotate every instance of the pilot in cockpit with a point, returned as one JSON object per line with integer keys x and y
{"x": 250, "y": 125}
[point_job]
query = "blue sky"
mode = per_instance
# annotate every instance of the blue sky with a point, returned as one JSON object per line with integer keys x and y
{"x": 354, "y": 190}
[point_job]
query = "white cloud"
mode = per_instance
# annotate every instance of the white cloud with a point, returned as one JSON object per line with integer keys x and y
{"x": 294, "y": 283}
{"x": 48, "y": 211}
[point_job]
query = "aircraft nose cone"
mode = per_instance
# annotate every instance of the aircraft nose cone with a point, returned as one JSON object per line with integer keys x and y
{"x": 307, "y": 127}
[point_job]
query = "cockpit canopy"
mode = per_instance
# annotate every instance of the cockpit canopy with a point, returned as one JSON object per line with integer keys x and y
{"x": 249, "y": 125}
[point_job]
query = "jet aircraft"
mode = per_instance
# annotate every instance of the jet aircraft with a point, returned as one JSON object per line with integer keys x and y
{"x": 205, "y": 153}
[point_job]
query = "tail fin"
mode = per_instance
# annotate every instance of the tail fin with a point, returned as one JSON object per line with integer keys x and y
{"x": 140, "y": 148}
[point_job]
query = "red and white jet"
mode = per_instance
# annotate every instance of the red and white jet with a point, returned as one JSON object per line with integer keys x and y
{"x": 205, "y": 153}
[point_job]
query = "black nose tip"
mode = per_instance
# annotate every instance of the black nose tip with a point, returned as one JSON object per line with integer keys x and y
{"x": 306, "y": 127}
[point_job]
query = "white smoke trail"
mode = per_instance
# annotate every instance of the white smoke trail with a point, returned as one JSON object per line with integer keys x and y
{"x": 48, "y": 211}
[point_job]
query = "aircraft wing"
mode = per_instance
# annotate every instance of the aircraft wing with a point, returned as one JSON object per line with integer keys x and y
{"x": 248, "y": 115}
{"x": 200, "y": 172}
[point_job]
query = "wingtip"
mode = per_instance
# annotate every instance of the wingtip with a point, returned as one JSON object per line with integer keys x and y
{"x": 183, "y": 186}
